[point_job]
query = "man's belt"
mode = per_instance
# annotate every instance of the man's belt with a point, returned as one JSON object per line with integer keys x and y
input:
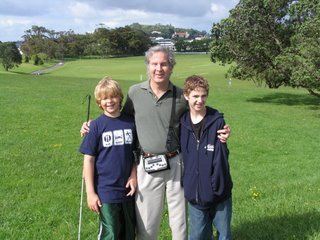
{"x": 168, "y": 155}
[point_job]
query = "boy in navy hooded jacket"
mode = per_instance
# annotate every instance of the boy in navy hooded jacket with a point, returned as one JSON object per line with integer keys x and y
{"x": 206, "y": 179}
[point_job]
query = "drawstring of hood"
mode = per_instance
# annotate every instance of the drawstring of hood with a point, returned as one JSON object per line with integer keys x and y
{"x": 207, "y": 140}
{"x": 188, "y": 137}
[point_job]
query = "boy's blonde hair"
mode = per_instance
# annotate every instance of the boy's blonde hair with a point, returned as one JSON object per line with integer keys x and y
{"x": 107, "y": 87}
{"x": 193, "y": 82}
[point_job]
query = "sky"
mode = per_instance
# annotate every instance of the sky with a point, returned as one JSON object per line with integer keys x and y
{"x": 83, "y": 16}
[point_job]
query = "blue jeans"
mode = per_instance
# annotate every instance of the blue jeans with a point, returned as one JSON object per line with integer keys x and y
{"x": 201, "y": 221}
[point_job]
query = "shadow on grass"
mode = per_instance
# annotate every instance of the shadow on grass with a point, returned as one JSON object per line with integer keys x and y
{"x": 20, "y": 73}
{"x": 289, "y": 99}
{"x": 302, "y": 226}
{"x": 29, "y": 73}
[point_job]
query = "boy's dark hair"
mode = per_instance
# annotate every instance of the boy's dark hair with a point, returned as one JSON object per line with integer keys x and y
{"x": 193, "y": 82}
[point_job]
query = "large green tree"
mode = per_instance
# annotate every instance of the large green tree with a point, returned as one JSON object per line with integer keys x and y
{"x": 128, "y": 41}
{"x": 101, "y": 43}
{"x": 302, "y": 58}
{"x": 55, "y": 45}
{"x": 39, "y": 40}
{"x": 10, "y": 55}
{"x": 271, "y": 41}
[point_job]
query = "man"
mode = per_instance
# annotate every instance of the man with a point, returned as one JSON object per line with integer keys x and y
{"x": 157, "y": 106}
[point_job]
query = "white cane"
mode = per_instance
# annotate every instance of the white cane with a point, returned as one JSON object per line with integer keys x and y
{"x": 82, "y": 183}
{"x": 80, "y": 214}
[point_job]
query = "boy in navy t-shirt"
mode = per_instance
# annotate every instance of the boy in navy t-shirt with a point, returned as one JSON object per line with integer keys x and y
{"x": 109, "y": 168}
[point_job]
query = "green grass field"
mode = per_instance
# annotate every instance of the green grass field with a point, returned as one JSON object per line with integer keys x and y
{"x": 275, "y": 149}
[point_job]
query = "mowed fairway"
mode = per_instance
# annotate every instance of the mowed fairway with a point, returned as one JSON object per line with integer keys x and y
{"x": 274, "y": 150}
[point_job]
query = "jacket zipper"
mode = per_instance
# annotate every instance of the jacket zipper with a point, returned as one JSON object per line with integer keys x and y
{"x": 198, "y": 143}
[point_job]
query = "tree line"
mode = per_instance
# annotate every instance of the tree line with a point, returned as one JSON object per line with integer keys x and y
{"x": 68, "y": 44}
{"x": 40, "y": 44}
{"x": 271, "y": 42}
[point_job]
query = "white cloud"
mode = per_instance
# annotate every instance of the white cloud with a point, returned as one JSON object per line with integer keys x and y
{"x": 9, "y": 22}
{"x": 120, "y": 17}
{"x": 217, "y": 8}
{"x": 81, "y": 9}
{"x": 17, "y": 16}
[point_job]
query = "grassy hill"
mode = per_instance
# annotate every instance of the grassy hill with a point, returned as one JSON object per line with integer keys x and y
{"x": 274, "y": 150}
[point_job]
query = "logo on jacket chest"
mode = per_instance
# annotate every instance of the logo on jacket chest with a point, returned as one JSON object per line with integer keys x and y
{"x": 209, "y": 147}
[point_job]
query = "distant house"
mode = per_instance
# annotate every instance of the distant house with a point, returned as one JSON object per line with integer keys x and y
{"x": 199, "y": 37}
{"x": 156, "y": 33}
{"x": 18, "y": 44}
{"x": 164, "y": 42}
{"x": 181, "y": 34}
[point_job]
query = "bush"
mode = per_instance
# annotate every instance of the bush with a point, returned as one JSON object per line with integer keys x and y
{"x": 26, "y": 58}
{"x": 37, "y": 60}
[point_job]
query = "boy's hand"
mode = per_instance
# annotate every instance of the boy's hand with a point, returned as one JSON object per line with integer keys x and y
{"x": 85, "y": 128}
{"x": 94, "y": 203}
{"x": 132, "y": 184}
{"x": 224, "y": 134}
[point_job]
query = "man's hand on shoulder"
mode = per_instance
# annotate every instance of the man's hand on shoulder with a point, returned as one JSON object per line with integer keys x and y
{"x": 224, "y": 134}
{"x": 85, "y": 128}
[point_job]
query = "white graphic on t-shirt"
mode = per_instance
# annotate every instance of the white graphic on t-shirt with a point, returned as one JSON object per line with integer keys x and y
{"x": 117, "y": 137}
{"x": 107, "y": 139}
{"x": 128, "y": 138}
